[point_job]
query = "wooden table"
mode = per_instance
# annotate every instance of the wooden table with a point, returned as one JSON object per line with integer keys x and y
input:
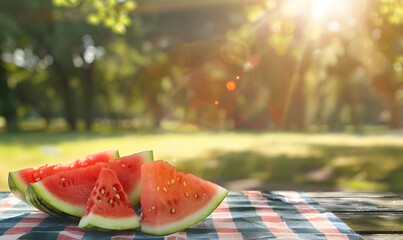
{"x": 372, "y": 215}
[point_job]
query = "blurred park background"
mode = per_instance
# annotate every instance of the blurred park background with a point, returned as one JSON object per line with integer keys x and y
{"x": 259, "y": 94}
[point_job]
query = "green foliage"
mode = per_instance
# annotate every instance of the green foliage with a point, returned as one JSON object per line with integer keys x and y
{"x": 392, "y": 10}
{"x": 112, "y": 14}
{"x": 291, "y": 70}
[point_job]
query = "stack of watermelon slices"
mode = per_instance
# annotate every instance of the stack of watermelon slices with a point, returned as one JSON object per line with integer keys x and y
{"x": 103, "y": 189}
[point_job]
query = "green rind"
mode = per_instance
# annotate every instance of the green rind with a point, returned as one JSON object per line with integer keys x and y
{"x": 189, "y": 221}
{"x": 134, "y": 197}
{"x": 19, "y": 189}
{"x": 15, "y": 186}
{"x": 92, "y": 221}
{"x": 45, "y": 201}
{"x": 115, "y": 154}
{"x": 36, "y": 200}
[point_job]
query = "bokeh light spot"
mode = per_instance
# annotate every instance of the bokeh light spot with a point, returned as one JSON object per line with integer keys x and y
{"x": 334, "y": 26}
{"x": 216, "y": 102}
{"x": 231, "y": 85}
{"x": 376, "y": 34}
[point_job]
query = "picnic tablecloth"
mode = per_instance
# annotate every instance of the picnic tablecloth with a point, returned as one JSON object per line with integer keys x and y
{"x": 242, "y": 215}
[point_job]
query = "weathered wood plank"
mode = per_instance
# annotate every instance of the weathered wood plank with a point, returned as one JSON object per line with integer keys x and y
{"x": 373, "y": 222}
{"x": 382, "y": 236}
{"x": 352, "y": 194}
{"x": 360, "y": 204}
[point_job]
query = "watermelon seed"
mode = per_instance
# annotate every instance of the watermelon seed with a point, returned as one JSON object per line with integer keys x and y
{"x": 165, "y": 190}
{"x": 158, "y": 189}
{"x": 186, "y": 194}
{"x": 169, "y": 183}
{"x": 152, "y": 207}
{"x": 149, "y": 209}
{"x": 196, "y": 196}
{"x": 100, "y": 201}
{"x": 172, "y": 181}
{"x": 204, "y": 194}
{"x": 102, "y": 191}
{"x": 173, "y": 210}
{"x": 117, "y": 196}
{"x": 110, "y": 201}
{"x": 37, "y": 179}
{"x": 114, "y": 189}
{"x": 123, "y": 165}
{"x": 63, "y": 179}
{"x": 184, "y": 183}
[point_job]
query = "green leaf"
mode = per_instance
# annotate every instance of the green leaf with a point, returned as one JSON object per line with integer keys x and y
{"x": 130, "y": 5}
{"x": 69, "y": 3}
{"x": 93, "y": 19}
{"x": 125, "y": 20}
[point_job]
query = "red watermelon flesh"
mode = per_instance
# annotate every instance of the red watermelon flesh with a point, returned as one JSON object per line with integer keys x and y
{"x": 18, "y": 181}
{"x": 108, "y": 206}
{"x": 66, "y": 193}
{"x": 172, "y": 200}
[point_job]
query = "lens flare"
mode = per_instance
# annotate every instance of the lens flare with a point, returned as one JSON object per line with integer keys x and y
{"x": 231, "y": 85}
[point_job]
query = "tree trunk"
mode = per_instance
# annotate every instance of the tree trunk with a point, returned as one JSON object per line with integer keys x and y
{"x": 388, "y": 85}
{"x": 300, "y": 104}
{"x": 69, "y": 98}
{"x": 394, "y": 112}
{"x": 88, "y": 85}
{"x": 7, "y": 101}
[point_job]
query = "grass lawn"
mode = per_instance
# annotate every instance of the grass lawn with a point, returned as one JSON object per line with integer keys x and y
{"x": 237, "y": 160}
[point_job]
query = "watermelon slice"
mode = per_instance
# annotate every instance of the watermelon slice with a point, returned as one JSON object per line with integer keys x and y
{"x": 172, "y": 201}
{"x": 108, "y": 206}
{"x": 18, "y": 181}
{"x": 65, "y": 194}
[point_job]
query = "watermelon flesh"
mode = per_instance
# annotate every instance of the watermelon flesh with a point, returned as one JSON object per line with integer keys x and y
{"x": 18, "y": 181}
{"x": 108, "y": 206}
{"x": 65, "y": 194}
{"x": 172, "y": 200}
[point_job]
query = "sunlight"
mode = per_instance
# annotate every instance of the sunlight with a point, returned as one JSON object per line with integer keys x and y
{"x": 320, "y": 11}
{"x": 321, "y": 7}
{"x": 330, "y": 9}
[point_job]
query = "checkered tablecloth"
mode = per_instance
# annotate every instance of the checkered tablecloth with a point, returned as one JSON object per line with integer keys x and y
{"x": 242, "y": 215}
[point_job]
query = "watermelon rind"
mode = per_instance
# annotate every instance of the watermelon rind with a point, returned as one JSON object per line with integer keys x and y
{"x": 102, "y": 223}
{"x": 38, "y": 195}
{"x": 18, "y": 189}
{"x": 134, "y": 197}
{"x": 114, "y": 153}
{"x": 113, "y": 217}
{"x": 191, "y": 220}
